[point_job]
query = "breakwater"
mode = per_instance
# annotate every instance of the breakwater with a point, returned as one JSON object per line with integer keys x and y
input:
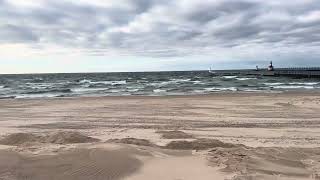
{"x": 294, "y": 72}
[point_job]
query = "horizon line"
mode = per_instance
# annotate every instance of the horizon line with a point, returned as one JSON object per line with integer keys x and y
{"x": 100, "y": 72}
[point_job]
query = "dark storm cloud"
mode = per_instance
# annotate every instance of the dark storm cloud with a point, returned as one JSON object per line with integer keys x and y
{"x": 162, "y": 28}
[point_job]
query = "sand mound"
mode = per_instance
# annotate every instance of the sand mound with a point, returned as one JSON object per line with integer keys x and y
{"x": 20, "y": 138}
{"x": 56, "y": 138}
{"x": 134, "y": 141}
{"x": 81, "y": 164}
{"x": 263, "y": 163}
{"x": 68, "y": 138}
{"x": 198, "y": 144}
{"x": 175, "y": 135}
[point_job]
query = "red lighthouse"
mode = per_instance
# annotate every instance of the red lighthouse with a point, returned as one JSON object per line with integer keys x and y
{"x": 270, "y": 67}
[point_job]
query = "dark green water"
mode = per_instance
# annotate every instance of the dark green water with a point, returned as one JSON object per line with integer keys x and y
{"x": 146, "y": 83}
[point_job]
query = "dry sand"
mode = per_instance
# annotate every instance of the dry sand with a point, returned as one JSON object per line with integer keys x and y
{"x": 79, "y": 164}
{"x": 235, "y": 136}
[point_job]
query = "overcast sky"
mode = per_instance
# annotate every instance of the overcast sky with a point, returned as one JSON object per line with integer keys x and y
{"x": 151, "y": 35}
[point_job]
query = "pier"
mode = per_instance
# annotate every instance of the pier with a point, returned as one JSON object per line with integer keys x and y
{"x": 271, "y": 71}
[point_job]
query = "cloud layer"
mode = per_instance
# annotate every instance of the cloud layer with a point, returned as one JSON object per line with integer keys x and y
{"x": 233, "y": 28}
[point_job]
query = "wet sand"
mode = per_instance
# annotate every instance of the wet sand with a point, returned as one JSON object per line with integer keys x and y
{"x": 219, "y": 136}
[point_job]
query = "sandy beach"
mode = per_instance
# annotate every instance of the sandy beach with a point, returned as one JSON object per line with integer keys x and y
{"x": 227, "y": 136}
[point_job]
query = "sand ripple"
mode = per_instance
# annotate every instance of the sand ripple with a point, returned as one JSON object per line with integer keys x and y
{"x": 81, "y": 164}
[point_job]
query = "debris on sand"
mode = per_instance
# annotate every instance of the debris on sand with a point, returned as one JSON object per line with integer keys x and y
{"x": 134, "y": 141}
{"x": 199, "y": 144}
{"x": 55, "y": 138}
{"x": 175, "y": 135}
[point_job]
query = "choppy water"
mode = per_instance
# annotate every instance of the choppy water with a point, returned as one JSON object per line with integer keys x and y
{"x": 151, "y": 83}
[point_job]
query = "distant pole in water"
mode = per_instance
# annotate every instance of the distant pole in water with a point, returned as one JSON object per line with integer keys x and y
{"x": 210, "y": 69}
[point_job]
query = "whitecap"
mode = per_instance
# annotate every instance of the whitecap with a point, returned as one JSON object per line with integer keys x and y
{"x": 221, "y": 89}
{"x": 115, "y": 91}
{"x": 26, "y": 96}
{"x": 81, "y": 90}
{"x": 253, "y": 90}
{"x": 198, "y": 82}
{"x": 230, "y": 77}
{"x": 180, "y": 80}
{"x": 118, "y": 82}
{"x": 159, "y": 90}
{"x": 273, "y": 84}
{"x": 85, "y": 81}
{"x": 198, "y": 91}
{"x": 172, "y": 81}
{"x": 40, "y": 85}
{"x": 109, "y": 82}
{"x": 304, "y": 83}
{"x": 159, "y": 84}
{"x": 293, "y": 87}
{"x": 133, "y": 90}
{"x": 244, "y": 79}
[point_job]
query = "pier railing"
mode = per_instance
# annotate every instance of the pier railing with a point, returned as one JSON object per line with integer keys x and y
{"x": 299, "y": 69}
{"x": 306, "y": 73}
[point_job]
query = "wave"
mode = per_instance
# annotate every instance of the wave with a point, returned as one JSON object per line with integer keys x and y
{"x": 115, "y": 91}
{"x": 293, "y": 87}
{"x": 35, "y": 80}
{"x": 293, "y": 83}
{"x": 180, "y": 80}
{"x": 254, "y": 90}
{"x": 133, "y": 90}
{"x": 171, "y": 81}
{"x": 136, "y": 88}
{"x": 86, "y": 81}
{"x": 25, "y": 96}
{"x": 113, "y": 82}
{"x": 304, "y": 83}
{"x": 39, "y": 85}
{"x": 198, "y": 82}
{"x": 273, "y": 84}
{"x": 159, "y": 90}
{"x": 244, "y": 79}
{"x": 221, "y": 89}
{"x": 83, "y": 90}
{"x": 229, "y": 77}
{"x": 7, "y": 97}
{"x": 50, "y": 91}
{"x": 4, "y": 88}
{"x": 46, "y": 86}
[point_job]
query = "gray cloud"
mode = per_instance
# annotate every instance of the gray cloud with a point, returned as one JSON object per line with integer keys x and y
{"x": 16, "y": 34}
{"x": 165, "y": 28}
